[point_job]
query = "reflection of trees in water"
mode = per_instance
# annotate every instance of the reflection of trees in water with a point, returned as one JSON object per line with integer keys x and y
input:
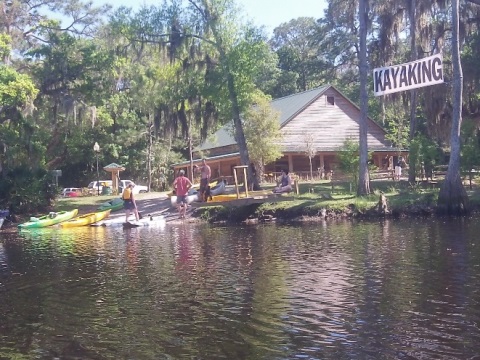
{"x": 184, "y": 249}
{"x": 132, "y": 238}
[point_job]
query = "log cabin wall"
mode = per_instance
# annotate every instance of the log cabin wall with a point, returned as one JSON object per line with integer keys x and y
{"x": 330, "y": 122}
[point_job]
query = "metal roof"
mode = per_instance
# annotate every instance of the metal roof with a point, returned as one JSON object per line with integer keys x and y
{"x": 291, "y": 105}
{"x": 211, "y": 158}
{"x": 287, "y": 106}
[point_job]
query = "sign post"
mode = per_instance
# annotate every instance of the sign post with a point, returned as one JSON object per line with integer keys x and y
{"x": 56, "y": 173}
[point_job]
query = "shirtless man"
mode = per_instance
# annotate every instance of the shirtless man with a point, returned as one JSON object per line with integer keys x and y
{"x": 206, "y": 173}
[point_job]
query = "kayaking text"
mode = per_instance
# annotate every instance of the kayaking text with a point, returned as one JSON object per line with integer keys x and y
{"x": 425, "y": 72}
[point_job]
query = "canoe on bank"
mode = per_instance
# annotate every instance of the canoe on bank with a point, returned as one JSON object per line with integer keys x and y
{"x": 218, "y": 189}
{"x": 190, "y": 199}
{"x": 114, "y": 205}
{"x": 3, "y": 216}
{"x": 86, "y": 219}
{"x": 49, "y": 219}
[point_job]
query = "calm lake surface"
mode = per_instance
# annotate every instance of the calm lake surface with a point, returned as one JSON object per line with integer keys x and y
{"x": 397, "y": 289}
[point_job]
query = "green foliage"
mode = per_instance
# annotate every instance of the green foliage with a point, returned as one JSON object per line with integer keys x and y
{"x": 24, "y": 191}
{"x": 262, "y": 132}
{"x": 15, "y": 89}
{"x": 424, "y": 154}
{"x": 247, "y": 60}
{"x": 349, "y": 159}
{"x": 5, "y": 45}
{"x": 397, "y": 125}
{"x": 297, "y": 51}
{"x": 470, "y": 152}
{"x": 70, "y": 69}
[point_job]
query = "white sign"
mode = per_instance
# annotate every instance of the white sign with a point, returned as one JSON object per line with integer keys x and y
{"x": 425, "y": 72}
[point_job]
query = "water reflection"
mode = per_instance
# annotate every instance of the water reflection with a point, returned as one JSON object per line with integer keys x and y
{"x": 380, "y": 290}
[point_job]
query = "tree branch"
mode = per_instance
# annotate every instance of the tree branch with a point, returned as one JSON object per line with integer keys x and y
{"x": 167, "y": 35}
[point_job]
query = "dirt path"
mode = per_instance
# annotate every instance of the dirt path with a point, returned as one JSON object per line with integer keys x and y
{"x": 155, "y": 204}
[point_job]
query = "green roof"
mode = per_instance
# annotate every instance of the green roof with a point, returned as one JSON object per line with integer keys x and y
{"x": 113, "y": 166}
{"x": 287, "y": 106}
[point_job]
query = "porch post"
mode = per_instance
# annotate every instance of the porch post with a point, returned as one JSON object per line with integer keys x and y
{"x": 290, "y": 163}
{"x": 322, "y": 167}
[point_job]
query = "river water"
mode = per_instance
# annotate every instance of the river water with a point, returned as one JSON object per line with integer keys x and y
{"x": 395, "y": 289}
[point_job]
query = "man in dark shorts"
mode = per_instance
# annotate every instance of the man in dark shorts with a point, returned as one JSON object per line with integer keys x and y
{"x": 181, "y": 185}
{"x": 206, "y": 173}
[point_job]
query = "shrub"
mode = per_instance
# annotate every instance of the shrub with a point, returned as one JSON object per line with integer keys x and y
{"x": 26, "y": 191}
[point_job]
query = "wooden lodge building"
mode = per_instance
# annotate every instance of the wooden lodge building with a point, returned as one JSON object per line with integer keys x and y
{"x": 323, "y": 112}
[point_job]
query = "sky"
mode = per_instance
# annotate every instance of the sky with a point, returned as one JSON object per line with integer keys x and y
{"x": 269, "y": 13}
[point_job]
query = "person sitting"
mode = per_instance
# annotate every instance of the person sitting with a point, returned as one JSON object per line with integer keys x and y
{"x": 284, "y": 184}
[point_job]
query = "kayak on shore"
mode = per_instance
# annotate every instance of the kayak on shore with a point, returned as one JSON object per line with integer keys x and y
{"x": 50, "y": 219}
{"x": 86, "y": 219}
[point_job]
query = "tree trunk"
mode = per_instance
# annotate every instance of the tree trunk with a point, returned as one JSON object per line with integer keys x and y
{"x": 239, "y": 134}
{"x": 232, "y": 93}
{"x": 311, "y": 169}
{"x": 363, "y": 186}
{"x": 413, "y": 92}
{"x": 453, "y": 198}
{"x": 190, "y": 147}
{"x": 149, "y": 155}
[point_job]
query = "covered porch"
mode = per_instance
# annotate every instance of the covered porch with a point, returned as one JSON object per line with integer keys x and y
{"x": 325, "y": 165}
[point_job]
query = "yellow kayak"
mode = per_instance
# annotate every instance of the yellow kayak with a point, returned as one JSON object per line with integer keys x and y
{"x": 230, "y": 197}
{"x": 86, "y": 219}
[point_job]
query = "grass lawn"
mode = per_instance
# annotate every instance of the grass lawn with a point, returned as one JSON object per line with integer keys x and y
{"x": 318, "y": 195}
{"x": 312, "y": 197}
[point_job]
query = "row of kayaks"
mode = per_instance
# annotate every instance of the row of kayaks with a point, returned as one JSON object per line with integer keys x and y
{"x": 68, "y": 219}
{"x": 65, "y": 219}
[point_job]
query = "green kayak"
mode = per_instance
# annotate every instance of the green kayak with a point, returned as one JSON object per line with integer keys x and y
{"x": 49, "y": 219}
{"x": 114, "y": 205}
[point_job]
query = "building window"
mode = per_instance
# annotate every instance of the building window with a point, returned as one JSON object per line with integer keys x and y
{"x": 330, "y": 100}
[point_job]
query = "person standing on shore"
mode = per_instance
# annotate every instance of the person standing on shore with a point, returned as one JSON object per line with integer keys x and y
{"x": 205, "y": 175}
{"x": 398, "y": 168}
{"x": 182, "y": 184}
{"x": 129, "y": 203}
